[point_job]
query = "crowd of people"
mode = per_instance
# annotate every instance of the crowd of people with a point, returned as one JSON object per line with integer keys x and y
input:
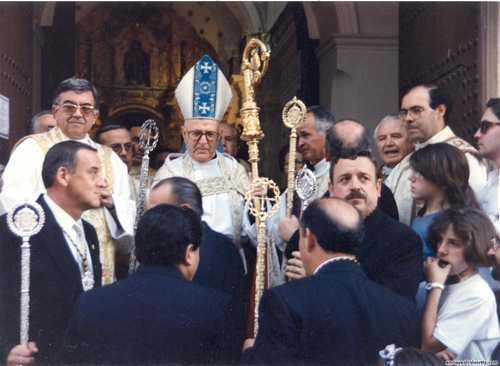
{"x": 396, "y": 264}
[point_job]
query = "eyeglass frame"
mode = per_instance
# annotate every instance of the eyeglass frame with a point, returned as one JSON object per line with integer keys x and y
{"x": 402, "y": 113}
{"x": 117, "y": 148}
{"x": 485, "y": 125}
{"x": 210, "y": 139}
{"x": 92, "y": 110}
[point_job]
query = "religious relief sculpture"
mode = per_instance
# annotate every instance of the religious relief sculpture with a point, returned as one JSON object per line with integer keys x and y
{"x": 136, "y": 65}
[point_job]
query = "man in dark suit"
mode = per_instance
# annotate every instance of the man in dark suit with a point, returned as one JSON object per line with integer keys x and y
{"x": 220, "y": 265}
{"x": 336, "y": 315}
{"x": 391, "y": 254}
{"x": 60, "y": 260}
{"x": 157, "y": 315}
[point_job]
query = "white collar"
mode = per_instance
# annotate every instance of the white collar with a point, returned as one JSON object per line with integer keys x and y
{"x": 321, "y": 167}
{"x": 441, "y": 136}
{"x": 85, "y": 140}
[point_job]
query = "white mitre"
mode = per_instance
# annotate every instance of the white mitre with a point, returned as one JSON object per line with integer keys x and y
{"x": 204, "y": 92}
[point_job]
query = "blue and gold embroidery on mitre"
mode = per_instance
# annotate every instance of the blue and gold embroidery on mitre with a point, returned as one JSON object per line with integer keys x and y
{"x": 204, "y": 91}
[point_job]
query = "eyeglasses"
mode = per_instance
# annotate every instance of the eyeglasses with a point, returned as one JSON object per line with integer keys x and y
{"x": 495, "y": 242}
{"x": 414, "y": 112}
{"x": 484, "y": 126}
{"x": 117, "y": 148}
{"x": 196, "y": 135}
{"x": 69, "y": 108}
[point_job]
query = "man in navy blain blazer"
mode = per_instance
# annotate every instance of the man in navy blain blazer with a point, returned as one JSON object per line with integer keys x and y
{"x": 220, "y": 262}
{"x": 157, "y": 315}
{"x": 71, "y": 177}
{"x": 336, "y": 315}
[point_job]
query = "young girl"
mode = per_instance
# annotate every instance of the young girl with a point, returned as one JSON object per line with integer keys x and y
{"x": 439, "y": 178}
{"x": 460, "y": 319}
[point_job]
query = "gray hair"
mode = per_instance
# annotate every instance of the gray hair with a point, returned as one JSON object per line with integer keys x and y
{"x": 389, "y": 117}
{"x": 324, "y": 118}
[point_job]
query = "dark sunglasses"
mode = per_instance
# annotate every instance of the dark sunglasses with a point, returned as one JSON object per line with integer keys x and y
{"x": 485, "y": 126}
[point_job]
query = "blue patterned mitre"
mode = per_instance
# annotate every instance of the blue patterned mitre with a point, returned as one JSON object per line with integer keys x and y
{"x": 204, "y": 91}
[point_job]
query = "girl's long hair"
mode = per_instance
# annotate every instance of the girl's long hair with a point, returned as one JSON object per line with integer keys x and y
{"x": 447, "y": 167}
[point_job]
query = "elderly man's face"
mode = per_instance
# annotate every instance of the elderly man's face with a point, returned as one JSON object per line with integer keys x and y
{"x": 201, "y": 138}
{"x": 75, "y": 122}
{"x": 392, "y": 142}
{"x": 356, "y": 182}
{"x": 311, "y": 144}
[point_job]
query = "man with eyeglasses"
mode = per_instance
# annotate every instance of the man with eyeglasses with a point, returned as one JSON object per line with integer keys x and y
{"x": 488, "y": 138}
{"x": 117, "y": 137}
{"x": 426, "y": 109}
{"x": 76, "y": 109}
{"x": 203, "y": 95}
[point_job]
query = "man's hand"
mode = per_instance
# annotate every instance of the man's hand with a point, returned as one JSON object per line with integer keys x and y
{"x": 287, "y": 226}
{"x": 295, "y": 268}
{"x": 107, "y": 199}
{"x": 22, "y": 355}
{"x": 260, "y": 189}
{"x": 436, "y": 271}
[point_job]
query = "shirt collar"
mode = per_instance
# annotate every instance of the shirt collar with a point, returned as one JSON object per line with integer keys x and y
{"x": 62, "y": 217}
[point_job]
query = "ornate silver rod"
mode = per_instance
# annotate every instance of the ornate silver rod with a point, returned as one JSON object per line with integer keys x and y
{"x": 25, "y": 220}
{"x": 148, "y": 143}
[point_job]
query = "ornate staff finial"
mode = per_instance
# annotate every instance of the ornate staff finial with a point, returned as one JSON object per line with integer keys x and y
{"x": 148, "y": 143}
{"x": 294, "y": 114}
{"x": 25, "y": 220}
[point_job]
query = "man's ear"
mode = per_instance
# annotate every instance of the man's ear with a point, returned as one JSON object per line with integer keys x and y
{"x": 62, "y": 176}
{"x": 186, "y": 205}
{"x": 310, "y": 240}
{"x": 188, "y": 255}
{"x": 330, "y": 188}
{"x": 441, "y": 110}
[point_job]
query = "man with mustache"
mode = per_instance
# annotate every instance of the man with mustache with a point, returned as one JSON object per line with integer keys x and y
{"x": 391, "y": 253}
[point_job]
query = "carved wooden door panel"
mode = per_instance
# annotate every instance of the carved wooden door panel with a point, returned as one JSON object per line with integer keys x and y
{"x": 438, "y": 43}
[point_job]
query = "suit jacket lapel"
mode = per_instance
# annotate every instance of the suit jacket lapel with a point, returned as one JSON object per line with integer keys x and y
{"x": 52, "y": 238}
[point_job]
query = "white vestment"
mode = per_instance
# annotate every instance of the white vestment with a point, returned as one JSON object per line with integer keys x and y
{"x": 322, "y": 175}
{"x": 222, "y": 182}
